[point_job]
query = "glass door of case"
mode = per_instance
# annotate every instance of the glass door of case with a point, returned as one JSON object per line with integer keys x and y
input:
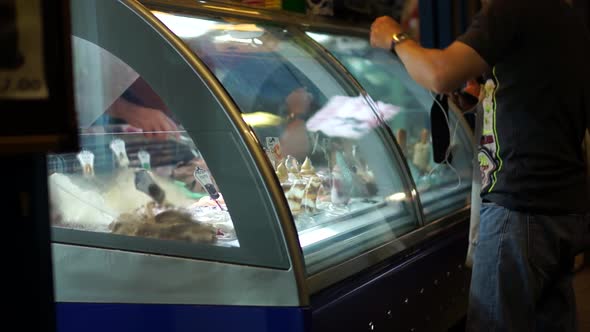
{"x": 444, "y": 187}
{"x": 334, "y": 161}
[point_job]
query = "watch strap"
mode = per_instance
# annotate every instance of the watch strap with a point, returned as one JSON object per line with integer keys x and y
{"x": 398, "y": 38}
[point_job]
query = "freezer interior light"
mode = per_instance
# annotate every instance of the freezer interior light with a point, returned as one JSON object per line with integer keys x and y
{"x": 184, "y": 26}
{"x": 319, "y": 37}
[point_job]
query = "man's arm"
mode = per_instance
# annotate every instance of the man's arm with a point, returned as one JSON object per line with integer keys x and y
{"x": 146, "y": 95}
{"x": 441, "y": 71}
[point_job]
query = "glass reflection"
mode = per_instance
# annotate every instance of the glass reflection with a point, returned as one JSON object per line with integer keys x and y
{"x": 443, "y": 187}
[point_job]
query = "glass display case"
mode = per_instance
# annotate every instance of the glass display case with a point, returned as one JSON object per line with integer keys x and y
{"x": 221, "y": 142}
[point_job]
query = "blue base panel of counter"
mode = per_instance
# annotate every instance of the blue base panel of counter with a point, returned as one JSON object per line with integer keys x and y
{"x": 424, "y": 292}
{"x": 95, "y": 317}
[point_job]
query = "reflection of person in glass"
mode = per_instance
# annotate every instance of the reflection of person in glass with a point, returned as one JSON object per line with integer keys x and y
{"x": 250, "y": 66}
{"x": 294, "y": 140}
{"x": 105, "y": 85}
{"x": 534, "y": 216}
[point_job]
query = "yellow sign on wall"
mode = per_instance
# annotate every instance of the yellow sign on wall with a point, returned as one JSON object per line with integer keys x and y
{"x": 22, "y": 74}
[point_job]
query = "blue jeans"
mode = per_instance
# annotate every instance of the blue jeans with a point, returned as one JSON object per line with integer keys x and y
{"x": 522, "y": 279}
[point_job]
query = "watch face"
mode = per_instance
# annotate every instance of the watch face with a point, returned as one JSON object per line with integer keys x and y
{"x": 398, "y": 38}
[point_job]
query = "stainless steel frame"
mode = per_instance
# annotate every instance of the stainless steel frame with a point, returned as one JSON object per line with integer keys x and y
{"x": 96, "y": 275}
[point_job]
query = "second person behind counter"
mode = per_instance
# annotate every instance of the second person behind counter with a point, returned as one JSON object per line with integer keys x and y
{"x": 140, "y": 107}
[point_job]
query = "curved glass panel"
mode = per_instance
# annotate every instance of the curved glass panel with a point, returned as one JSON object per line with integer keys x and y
{"x": 331, "y": 156}
{"x": 444, "y": 187}
{"x": 162, "y": 168}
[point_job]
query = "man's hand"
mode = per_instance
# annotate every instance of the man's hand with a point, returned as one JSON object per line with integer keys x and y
{"x": 382, "y": 31}
{"x": 154, "y": 123}
{"x": 468, "y": 97}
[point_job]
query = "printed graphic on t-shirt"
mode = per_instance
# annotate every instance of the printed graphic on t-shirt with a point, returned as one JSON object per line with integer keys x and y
{"x": 488, "y": 147}
{"x": 487, "y": 167}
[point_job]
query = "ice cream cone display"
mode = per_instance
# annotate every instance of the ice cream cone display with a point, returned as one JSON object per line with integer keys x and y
{"x": 286, "y": 186}
{"x": 307, "y": 169}
{"x": 292, "y": 166}
{"x": 282, "y": 173}
{"x": 310, "y": 194}
{"x": 295, "y": 196}
{"x": 284, "y": 179}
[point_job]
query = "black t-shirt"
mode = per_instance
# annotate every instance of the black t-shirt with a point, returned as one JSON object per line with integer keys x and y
{"x": 537, "y": 105}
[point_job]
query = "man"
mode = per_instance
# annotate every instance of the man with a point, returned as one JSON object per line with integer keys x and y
{"x": 534, "y": 189}
{"x": 140, "y": 107}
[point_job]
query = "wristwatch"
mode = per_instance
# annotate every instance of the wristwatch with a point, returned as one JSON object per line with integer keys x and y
{"x": 398, "y": 38}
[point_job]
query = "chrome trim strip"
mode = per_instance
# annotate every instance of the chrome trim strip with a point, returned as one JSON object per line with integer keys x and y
{"x": 218, "y": 9}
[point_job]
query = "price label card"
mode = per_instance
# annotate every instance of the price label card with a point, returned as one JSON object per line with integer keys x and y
{"x": 274, "y": 147}
{"x": 22, "y": 74}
